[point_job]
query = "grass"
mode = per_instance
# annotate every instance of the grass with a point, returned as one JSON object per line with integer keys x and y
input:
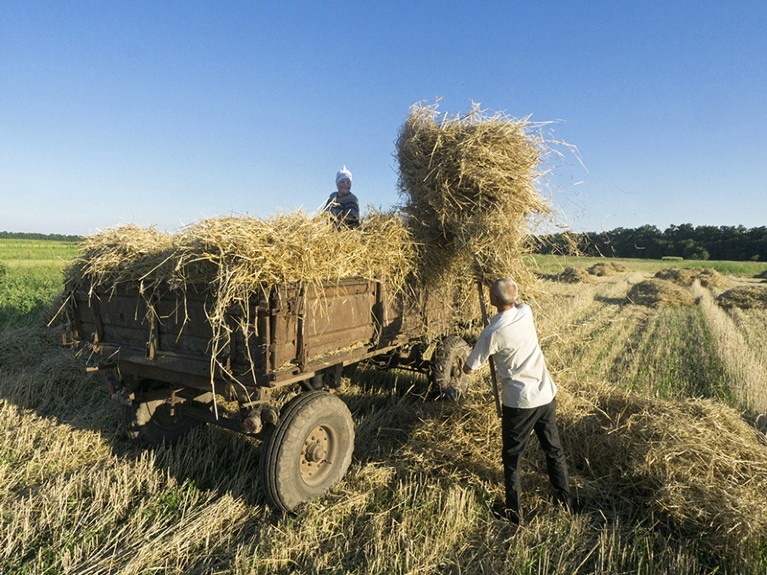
{"x": 36, "y": 250}
{"x": 76, "y": 498}
{"x": 30, "y": 278}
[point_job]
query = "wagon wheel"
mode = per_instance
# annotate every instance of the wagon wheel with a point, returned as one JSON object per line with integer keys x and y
{"x": 150, "y": 422}
{"x": 308, "y": 450}
{"x": 447, "y": 367}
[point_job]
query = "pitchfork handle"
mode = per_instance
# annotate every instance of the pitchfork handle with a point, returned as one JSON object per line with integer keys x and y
{"x": 493, "y": 376}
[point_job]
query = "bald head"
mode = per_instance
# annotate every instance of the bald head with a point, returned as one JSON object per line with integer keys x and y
{"x": 504, "y": 291}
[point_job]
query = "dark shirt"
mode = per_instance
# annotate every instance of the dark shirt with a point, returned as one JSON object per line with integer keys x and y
{"x": 345, "y": 209}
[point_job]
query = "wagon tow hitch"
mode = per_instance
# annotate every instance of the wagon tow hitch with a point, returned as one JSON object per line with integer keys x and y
{"x": 118, "y": 392}
{"x": 100, "y": 367}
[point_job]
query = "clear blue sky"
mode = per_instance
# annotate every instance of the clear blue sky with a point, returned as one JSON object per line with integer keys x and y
{"x": 163, "y": 113}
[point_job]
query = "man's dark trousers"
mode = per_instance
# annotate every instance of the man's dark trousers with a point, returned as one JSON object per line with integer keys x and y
{"x": 517, "y": 424}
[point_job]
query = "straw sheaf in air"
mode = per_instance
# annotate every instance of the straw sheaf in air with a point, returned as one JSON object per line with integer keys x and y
{"x": 468, "y": 185}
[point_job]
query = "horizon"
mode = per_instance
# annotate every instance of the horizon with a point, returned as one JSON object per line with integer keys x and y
{"x": 78, "y": 237}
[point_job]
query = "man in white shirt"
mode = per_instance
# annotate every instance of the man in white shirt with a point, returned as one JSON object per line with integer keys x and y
{"x": 528, "y": 394}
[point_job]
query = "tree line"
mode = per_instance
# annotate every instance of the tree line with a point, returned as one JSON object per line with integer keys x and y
{"x": 36, "y": 236}
{"x": 734, "y": 243}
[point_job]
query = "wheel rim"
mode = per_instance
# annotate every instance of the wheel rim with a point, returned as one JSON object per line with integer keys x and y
{"x": 163, "y": 420}
{"x": 318, "y": 455}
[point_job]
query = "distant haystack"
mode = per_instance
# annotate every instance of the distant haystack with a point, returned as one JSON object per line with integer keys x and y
{"x": 745, "y": 297}
{"x": 659, "y": 293}
{"x": 607, "y": 268}
{"x": 707, "y": 277}
{"x": 573, "y": 275}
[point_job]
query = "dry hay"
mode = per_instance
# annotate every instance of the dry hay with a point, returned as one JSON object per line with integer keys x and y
{"x": 232, "y": 258}
{"x": 744, "y": 297}
{"x": 468, "y": 185}
{"x": 243, "y": 254}
{"x": 659, "y": 293}
{"x": 607, "y": 268}
{"x": 707, "y": 277}
{"x": 695, "y": 464}
{"x": 573, "y": 275}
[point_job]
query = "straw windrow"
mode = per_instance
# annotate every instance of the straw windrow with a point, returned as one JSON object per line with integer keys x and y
{"x": 707, "y": 277}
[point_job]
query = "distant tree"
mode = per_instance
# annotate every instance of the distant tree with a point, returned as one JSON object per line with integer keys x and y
{"x": 736, "y": 243}
{"x": 38, "y": 236}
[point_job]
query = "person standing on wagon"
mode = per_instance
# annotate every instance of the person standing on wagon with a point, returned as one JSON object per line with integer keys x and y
{"x": 342, "y": 204}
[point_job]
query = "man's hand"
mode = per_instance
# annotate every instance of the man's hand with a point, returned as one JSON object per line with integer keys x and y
{"x": 467, "y": 370}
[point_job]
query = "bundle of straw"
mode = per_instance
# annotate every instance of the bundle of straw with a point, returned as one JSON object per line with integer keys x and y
{"x": 659, "y": 293}
{"x": 573, "y": 275}
{"x": 469, "y": 184}
{"x": 602, "y": 269}
{"x": 707, "y": 277}
{"x": 744, "y": 297}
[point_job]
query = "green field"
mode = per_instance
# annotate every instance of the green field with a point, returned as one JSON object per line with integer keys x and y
{"x": 30, "y": 277}
{"x": 659, "y": 410}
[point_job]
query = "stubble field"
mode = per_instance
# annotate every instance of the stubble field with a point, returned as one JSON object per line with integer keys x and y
{"x": 660, "y": 411}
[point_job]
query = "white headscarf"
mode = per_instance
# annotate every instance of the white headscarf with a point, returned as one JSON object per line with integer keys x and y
{"x": 343, "y": 173}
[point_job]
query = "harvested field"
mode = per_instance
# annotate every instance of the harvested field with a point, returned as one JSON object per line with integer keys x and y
{"x": 745, "y": 297}
{"x": 708, "y": 278}
{"x": 607, "y": 268}
{"x": 669, "y": 477}
{"x": 659, "y": 293}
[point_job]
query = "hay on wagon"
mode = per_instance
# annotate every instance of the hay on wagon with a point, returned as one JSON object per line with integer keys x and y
{"x": 232, "y": 258}
{"x": 744, "y": 297}
{"x": 602, "y": 269}
{"x": 659, "y": 293}
{"x": 469, "y": 187}
{"x": 707, "y": 277}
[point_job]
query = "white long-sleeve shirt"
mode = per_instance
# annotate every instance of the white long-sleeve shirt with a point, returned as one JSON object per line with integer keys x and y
{"x": 513, "y": 342}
